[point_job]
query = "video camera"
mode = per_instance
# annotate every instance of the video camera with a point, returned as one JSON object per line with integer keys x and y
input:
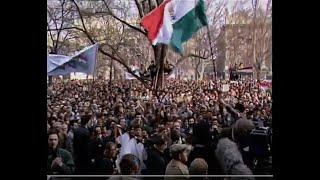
{"x": 260, "y": 142}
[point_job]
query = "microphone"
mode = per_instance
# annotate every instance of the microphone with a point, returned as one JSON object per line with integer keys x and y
{"x": 230, "y": 158}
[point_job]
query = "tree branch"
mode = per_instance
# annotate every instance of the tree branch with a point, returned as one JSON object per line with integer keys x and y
{"x": 66, "y": 28}
{"x": 149, "y": 2}
{"x": 51, "y": 36}
{"x": 120, "y": 59}
{"x": 55, "y": 23}
{"x": 61, "y": 25}
{"x": 122, "y": 21}
{"x": 159, "y": 2}
{"x": 187, "y": 56}
{"x": 140, "y": 10}
{"x": 80, "y": 15}
{"x": 65, "y": 37}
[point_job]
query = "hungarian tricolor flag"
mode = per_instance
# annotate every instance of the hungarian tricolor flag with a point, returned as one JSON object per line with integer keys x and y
{"x": 174, "y": 22}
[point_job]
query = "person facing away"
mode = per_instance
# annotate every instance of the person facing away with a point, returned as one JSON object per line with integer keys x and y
{"x": 81, "y": 140}
{"x": 60, "y": 161}
{"x": 156, "y": 162}
{"x": 129, "y": 165}
{"x": 177, "y": 166}
{"x": 198, "y": 167}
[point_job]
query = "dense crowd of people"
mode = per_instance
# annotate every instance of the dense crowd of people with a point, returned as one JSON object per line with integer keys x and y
{"x": 187, "y": 128}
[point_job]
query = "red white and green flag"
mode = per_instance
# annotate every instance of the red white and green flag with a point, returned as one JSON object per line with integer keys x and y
{"x": 174, "y": 22}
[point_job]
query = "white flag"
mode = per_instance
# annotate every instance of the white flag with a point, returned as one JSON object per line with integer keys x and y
{"x": 56, "y": 60}
{"x": 83, "y": 61}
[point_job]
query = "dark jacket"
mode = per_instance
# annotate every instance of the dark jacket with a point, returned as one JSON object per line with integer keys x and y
{"x": 156, "y": 162}
{"x": 104, "y": 167}
{"x": 81, "y": 149}
{"x": 68, "y": 164}
{"x": 97, "y": 148}
{"x": 153, "y": 70}
{"x": 204, "y": 147}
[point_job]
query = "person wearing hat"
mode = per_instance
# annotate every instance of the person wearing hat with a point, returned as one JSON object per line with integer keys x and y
{"x": 177, "y": 166}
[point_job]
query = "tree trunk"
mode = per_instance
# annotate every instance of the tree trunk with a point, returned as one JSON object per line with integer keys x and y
{"x": 258, "y": 73}
{"x": 160, "y": 52}
{"x": 203, "y": 66}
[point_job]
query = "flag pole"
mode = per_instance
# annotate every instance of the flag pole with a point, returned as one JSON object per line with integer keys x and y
{"x": 95, "y": 65}
{"x": 211, "y": 51}
{"x": 94, "y": 69}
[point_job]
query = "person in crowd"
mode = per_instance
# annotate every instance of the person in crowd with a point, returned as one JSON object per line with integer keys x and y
{"x": 129, "y": 165}
{"x": 98, "y": 145}
{"x": 198, "y": 167}
{"x": 230, "y": 159}
{"x": 60, "y": 161}
{"x": 177, "y": 166}
{"x": 156, "y": 161}
{"x": 107, "y": 165}
{"x": 81, "y": 145}
{"x": 196, "y": 113}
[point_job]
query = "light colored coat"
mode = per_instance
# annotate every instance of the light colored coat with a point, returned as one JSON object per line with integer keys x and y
{"x": 175, "y": 167}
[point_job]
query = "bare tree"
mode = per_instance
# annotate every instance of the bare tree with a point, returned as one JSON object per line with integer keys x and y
{"x": 127, "y": 45}
{"x": 248, "y": 35}
{"x": 58, "y": 17}
{"x": 263, "y": 37}
{"x": 205, "y": 42}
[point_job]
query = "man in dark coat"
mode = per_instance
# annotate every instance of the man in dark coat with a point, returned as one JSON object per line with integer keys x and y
{"x": 204, "y": 147}
{"x": 97, "y": 145}
{"x": 156, "y": 162}
{"x": 107, "y": 165}
{"x": 81, "y": 147}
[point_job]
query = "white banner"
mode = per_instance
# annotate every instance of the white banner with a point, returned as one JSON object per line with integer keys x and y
{"x": 83, "y": 61}
{"x": 56, "y": 60}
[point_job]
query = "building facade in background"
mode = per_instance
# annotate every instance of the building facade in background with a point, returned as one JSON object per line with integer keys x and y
{"x": 246, "y": 43}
